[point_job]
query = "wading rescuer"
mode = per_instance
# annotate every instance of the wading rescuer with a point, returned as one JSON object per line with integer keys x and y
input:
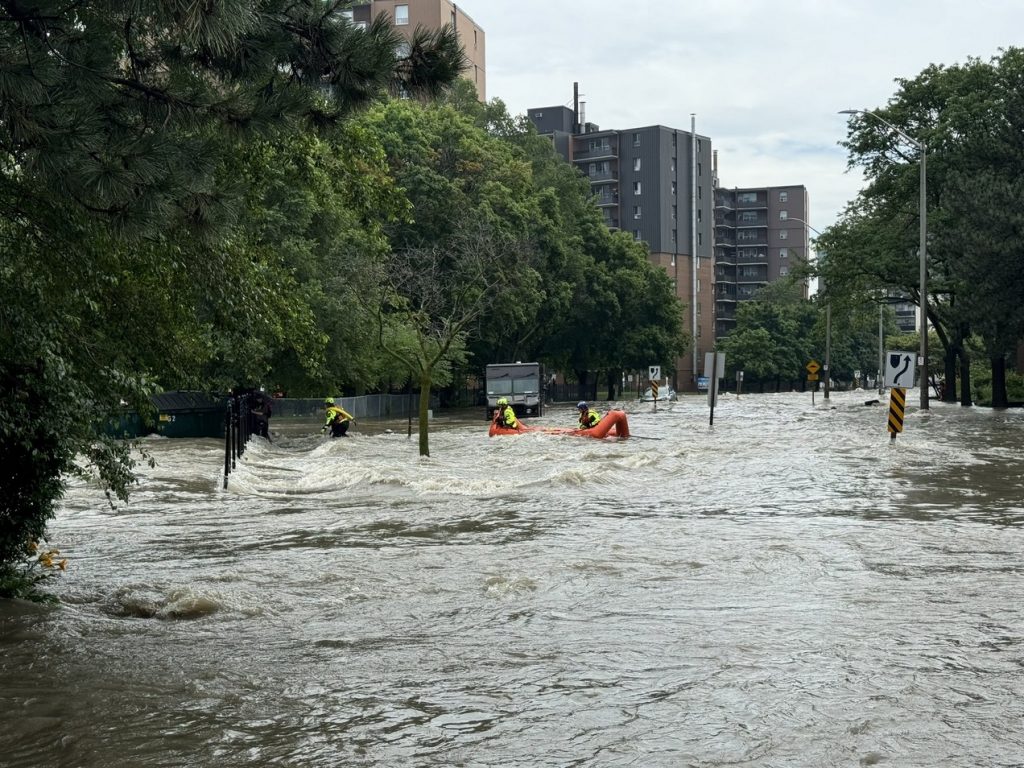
{"x": 338, "y": 419}
{"x": 588, "y": 416}
{"x": 504, "y": 416}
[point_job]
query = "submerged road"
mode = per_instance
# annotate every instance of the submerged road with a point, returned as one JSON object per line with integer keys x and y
{"x": 785, "y": 588}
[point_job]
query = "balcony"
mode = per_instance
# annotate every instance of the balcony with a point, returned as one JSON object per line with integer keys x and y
{"x": 760, "y": 203}
{"x": 747, "y": 222}
{"x": 752, "y": 258}
{"x": 586, "y": 155}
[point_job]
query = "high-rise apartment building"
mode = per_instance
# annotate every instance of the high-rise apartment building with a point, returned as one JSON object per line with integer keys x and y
{"x": 761, "y": 233}
{"x": 433, "y": 14}
{"x": 654, "y": 183}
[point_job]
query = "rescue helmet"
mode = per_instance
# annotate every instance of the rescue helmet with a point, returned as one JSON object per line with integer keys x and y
{"x": 328, "y": 401}
{"x": 502, "y": 401}
{"x": 582, "y": 405}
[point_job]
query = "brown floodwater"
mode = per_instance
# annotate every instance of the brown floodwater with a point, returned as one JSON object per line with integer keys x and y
{"x": 785, "y": 588}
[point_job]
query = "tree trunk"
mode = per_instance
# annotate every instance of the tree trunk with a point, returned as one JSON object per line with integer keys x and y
{"x": 424, "y": 415}
{"x": 949, "y": 376}
{"x": 583, "y": 379}
{"x": 611, "y": 383}
{"x": 999, "y": 399}
{"x": 965, "y": 378}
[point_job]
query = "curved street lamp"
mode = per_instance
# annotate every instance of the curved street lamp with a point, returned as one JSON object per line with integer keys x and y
{"x": 920, "y": 145}
{"x": 828, "y": 318}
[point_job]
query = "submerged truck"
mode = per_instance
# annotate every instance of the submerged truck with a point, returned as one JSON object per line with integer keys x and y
{"x": 521, "y": 383}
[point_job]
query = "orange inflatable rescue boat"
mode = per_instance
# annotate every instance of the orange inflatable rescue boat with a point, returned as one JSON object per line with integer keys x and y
{"x": 614, "y": 424}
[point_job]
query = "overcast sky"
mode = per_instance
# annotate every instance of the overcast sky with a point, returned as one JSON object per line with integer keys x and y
{"x": 765, "y": 79}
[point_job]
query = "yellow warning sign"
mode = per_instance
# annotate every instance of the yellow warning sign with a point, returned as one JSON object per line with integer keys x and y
{"x": 812, "y": 377}
{"x": 813, "y": 367}
{"x": 897, "y": 405}
{"x": 654, "y": 389}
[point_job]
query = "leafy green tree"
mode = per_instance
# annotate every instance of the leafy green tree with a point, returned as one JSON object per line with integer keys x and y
{"x": 462, "y": 255}
{"x": 774, "y": 335}
{"x": 970, "y": 118}
{"x": 126, "y": 263}
{"x": 429, "y": 302}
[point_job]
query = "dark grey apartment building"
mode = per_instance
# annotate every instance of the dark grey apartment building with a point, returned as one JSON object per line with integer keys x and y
{"x": 761, "y": 233}
{"x": 648, "y": 183}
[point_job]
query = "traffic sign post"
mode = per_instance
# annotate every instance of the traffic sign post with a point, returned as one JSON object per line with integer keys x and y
{"x": 899, "y": 369}
{"x": 897, "y": 405}
{"x": 812, "y": 375}
{"x": 714, "y": 366}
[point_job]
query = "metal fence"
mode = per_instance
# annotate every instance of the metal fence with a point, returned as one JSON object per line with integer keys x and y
{"x": 362, "y": 407}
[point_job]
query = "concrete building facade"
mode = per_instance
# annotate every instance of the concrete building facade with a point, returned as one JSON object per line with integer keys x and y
{"x": 761, "y": 233}
{"x": 434, "y": 14}
{"x": 649, "y": 183}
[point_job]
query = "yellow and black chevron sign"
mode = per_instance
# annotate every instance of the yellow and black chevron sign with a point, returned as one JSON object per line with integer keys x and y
{"x": 654, "y": 389}
{"x": 897, "y": 404}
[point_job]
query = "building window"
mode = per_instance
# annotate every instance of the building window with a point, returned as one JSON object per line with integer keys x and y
{"x": 636, "y": 139}
{"x": 783, "y": 271}
{"x": 700, "y": 169}
{"x": 700, "y": 216}
{"x": 672, "y": 166}
{"x": 673, "y": 187}
{"x": 636, "y": 187}
{"x": 783, "y": 197}
{"x": 748, "y": 216}
{"x": 636, "y": 234}
{"x": 636, "y": 163}
{"x": 636, "y": 211}
{"x": 673, "y": 237}
{"x": 538, "y": 114}
{"x": 783, "y": 215}
{"x": 784, "y": 253}
{"x": 474, "y": 38}
{"x": 401, "y": 15}
{"x": 783, "y": 234}
{"x": 348, "y": 15}
{"x": 747, "y": 197}
{"x": 673, "y": 213}
{"x": 700, "y": 239}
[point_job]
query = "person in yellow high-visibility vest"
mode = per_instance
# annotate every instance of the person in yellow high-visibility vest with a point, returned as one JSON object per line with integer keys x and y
{"x": 588, "y": 416}
{"x": 504, "y": 416}
{"x": 338, "y": 419}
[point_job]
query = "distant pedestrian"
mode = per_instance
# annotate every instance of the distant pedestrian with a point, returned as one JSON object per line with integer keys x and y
{"x": 261, "y": 411}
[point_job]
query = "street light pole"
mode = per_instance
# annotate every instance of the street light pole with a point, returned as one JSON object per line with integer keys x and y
{"x": 881, "y": 354}
{"x": 828, "y": 321}
{"x": 922, "y": 248}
